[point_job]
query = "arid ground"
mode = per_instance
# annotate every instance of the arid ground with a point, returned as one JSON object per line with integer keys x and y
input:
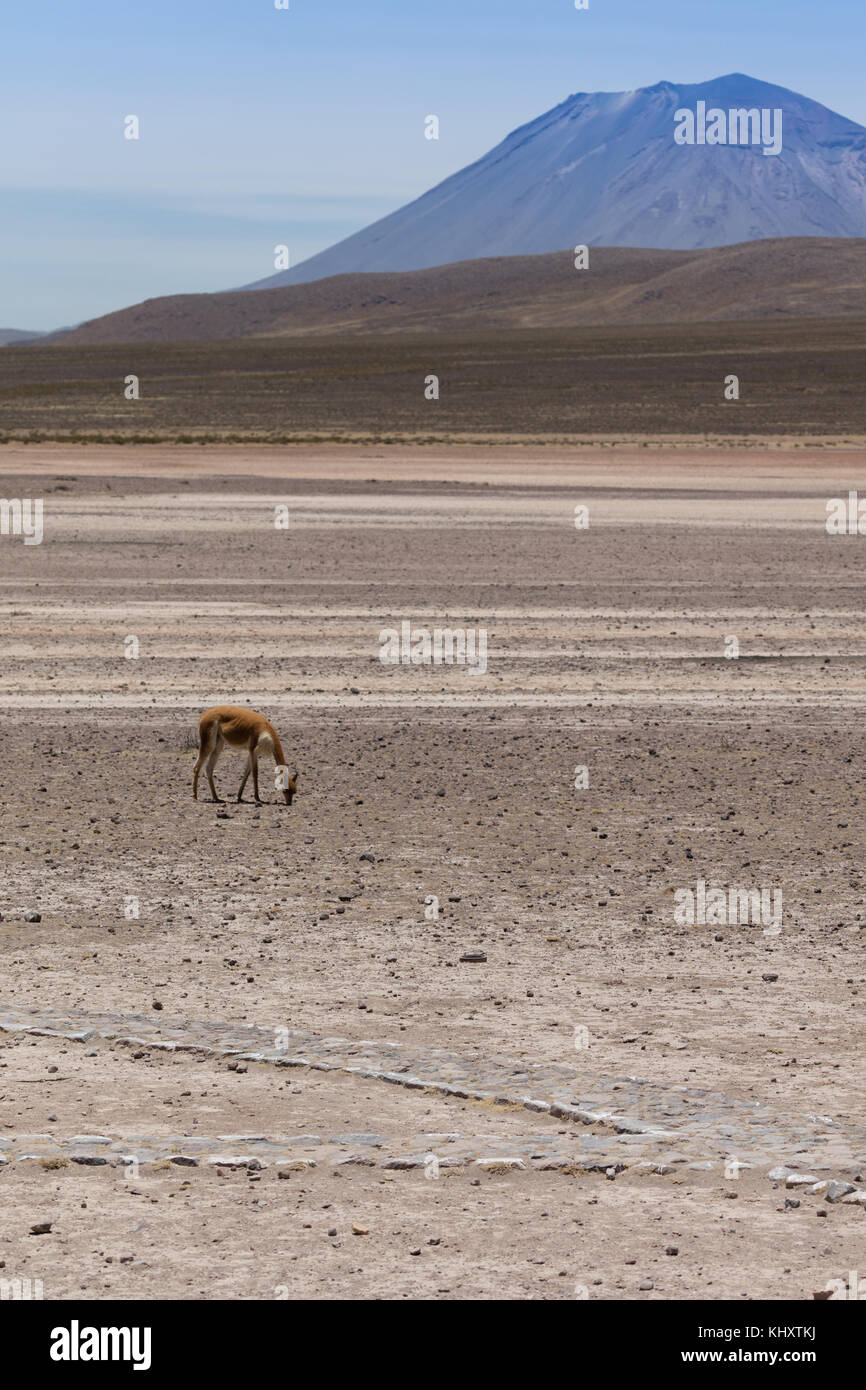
{"x": 163, "y": 586}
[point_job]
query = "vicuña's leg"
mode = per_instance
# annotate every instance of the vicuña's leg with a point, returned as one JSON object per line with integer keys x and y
{"x": 204, "y": 747}
{"x": 211, "y": 764}
{"x": 255, "y": 765}
{"x": 246, "y": 776}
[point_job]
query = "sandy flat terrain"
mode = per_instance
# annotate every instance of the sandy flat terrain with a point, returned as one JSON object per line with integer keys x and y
{"x": 606, "y": 651}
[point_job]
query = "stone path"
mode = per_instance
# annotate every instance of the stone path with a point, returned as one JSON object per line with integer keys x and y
{"x": 614, "y": 1122}
{"x": 429, "y": 1151}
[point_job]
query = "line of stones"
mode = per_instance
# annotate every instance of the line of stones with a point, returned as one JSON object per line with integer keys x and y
{"x": 729, "y": 1127}
{"x": 431, "y": 1152}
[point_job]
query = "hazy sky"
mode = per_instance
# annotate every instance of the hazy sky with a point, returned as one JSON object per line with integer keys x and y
{"x": 262, "y": 126}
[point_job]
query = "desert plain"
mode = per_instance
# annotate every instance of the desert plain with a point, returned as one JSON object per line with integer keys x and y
{"x": 541, "y": 814}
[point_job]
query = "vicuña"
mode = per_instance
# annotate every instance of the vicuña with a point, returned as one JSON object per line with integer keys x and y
{"x": 240, "y": 728}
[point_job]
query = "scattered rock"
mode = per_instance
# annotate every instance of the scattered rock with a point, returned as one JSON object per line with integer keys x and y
{"x": 837, "y": 1190}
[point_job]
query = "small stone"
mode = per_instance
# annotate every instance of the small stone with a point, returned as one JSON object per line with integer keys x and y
{"x": 769, "y": 978}
{"x": 474, "y": 956}
{"x": 359, "y": 1230}
{"x": 41, "y": 1228}
{"x": 156, "y": 1005}
{"x": 791, "y": 1203}
{"x": 672, "y": 1250}
{"x": 799, "y": 1180}
{"x": 646, "y": 1286}
{"x": 837, "y": 1190}
{"x": 32, "y": 916}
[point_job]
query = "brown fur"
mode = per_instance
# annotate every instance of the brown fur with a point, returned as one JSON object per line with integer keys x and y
{"x": 234, "y": 727}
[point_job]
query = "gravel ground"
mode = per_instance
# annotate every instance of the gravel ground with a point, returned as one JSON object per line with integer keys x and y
{"x": 606, "y": 651}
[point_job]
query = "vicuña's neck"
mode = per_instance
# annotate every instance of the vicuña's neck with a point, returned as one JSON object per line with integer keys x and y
{"x": 278, "y": 747}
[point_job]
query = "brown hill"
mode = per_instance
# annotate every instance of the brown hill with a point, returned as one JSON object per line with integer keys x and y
{"x": 774, "y": 279}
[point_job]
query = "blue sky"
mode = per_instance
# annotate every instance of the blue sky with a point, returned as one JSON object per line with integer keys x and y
{"x": 262, "y": 126}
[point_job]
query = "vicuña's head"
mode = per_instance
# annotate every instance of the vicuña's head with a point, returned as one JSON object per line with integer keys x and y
{"x": 291, "y": 787}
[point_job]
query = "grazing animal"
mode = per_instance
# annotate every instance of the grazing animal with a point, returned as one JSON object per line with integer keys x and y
{"x": 239, "y": 728}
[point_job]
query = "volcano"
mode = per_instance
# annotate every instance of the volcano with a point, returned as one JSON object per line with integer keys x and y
{"x": 605, "y": 169}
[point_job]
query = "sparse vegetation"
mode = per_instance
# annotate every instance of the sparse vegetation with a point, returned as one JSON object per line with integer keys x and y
{"x": 798, "y": 379}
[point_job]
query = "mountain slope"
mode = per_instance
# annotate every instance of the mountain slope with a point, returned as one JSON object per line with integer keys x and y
{"x": 792, "y": 278}
{"x": 8, "y": 336}
{"x": 604, "y": 169}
